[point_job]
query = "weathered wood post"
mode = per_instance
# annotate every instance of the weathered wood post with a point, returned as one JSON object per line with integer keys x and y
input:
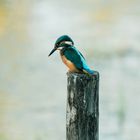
{"x": 82, "y": 107}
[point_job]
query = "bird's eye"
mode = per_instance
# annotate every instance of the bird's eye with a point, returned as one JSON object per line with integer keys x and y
{"x": 56, "y": 45}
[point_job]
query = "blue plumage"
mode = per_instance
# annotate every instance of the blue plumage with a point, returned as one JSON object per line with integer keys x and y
{"x": 70, "y": 55}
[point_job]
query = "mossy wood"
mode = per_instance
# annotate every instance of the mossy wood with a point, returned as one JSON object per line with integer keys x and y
{"x": 82, "y": 107}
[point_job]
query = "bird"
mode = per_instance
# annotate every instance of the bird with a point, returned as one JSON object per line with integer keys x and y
{"x": 71, "y": 56}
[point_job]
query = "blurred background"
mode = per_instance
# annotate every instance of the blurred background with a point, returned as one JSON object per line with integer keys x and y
{"x": 33, "y": 87}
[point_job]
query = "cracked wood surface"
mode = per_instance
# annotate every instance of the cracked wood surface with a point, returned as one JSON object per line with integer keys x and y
{"x": 82, "y": 107}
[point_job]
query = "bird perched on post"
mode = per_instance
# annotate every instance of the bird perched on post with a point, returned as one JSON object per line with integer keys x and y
{"x": 71, "y": 57}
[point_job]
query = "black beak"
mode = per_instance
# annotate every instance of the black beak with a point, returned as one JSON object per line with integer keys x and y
{"x": 52, "y": 51}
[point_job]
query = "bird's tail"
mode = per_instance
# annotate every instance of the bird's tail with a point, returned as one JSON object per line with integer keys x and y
{"x": 89, "y": 71}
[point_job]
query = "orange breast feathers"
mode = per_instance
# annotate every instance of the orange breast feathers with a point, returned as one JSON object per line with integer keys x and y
{"x": 69, "y": 64}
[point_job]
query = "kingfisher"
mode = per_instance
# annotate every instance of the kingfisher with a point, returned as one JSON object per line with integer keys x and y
{"x": 70, "y": 56}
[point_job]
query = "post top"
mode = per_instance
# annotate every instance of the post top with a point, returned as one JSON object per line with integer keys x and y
{"x": 83, "y": 75}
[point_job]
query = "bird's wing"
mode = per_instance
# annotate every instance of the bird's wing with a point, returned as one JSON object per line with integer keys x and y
{"x": 74, "y": 56}
{"x": 82, "y": 55}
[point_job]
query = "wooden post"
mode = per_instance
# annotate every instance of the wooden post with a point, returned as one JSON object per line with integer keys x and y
{"x": 82, "y": 107}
